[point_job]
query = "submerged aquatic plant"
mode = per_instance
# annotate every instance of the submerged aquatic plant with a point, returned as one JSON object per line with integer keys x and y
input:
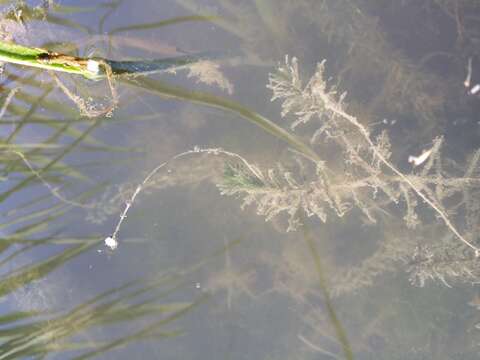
{"x": 40, "y": 187}
{"x": 368, "y": 182}
{"x": 369, "y": 174}
{"x": 90, "y": 68}
{"x": 57, "y": 331}
{"x": 347, "y": 169}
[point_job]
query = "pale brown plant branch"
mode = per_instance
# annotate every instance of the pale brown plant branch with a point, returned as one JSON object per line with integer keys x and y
{"x": 319, "y": 99}
{"x": 54, "y": 191}
{"x": 336, "y": 109}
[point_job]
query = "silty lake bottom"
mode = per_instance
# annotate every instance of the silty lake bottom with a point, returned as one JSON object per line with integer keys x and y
{"x": 229, "y": 179}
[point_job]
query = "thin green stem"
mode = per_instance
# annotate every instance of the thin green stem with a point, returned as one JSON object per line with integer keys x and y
{"x": 323, "y": 284}
{"x": 90, "y": 68}
{"x": 44, "y": 59}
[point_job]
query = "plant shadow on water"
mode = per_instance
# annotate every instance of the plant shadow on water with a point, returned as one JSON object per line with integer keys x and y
{"x": 359, "y": 231}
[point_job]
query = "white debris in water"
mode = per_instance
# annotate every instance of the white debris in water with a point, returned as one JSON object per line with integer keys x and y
{"x": 111, "y": 243}
{"x": 475, "y": 89}
{"x": 418, "y": 160}
{"x": 93, "y": 66}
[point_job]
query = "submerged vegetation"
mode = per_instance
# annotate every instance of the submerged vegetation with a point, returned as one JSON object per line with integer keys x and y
{"x": 373, "y": 184}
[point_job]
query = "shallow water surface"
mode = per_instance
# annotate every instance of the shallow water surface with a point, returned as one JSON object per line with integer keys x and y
{"x": 306, "y": 188}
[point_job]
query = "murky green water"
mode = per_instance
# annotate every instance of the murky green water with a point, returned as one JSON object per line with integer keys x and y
{"x": 315, "y": 226}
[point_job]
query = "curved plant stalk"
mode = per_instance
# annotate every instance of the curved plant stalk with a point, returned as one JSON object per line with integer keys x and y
{"x": 95, "y": 69}
{"x": 111, "y": 241}
{"x": 157, "y": 24}
{"x": 166, "y": 90}
{"x": 323, "y": 285}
